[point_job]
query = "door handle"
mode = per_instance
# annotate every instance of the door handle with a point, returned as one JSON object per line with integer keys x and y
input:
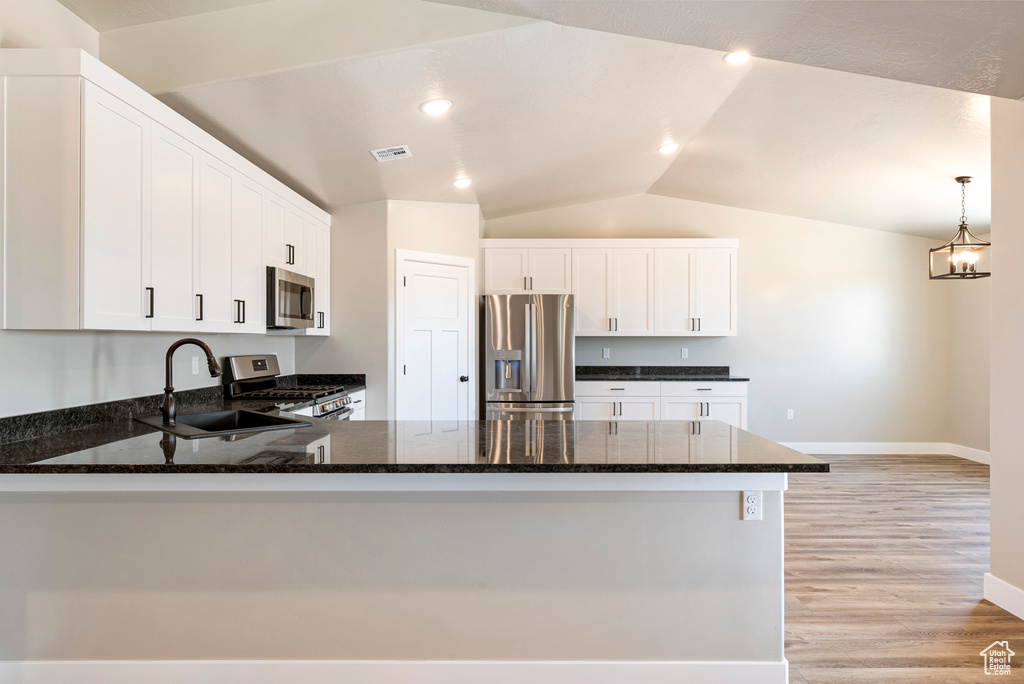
{"x": 463, "y": 378}
{"x": 150, "y": 290}
{"x": 200, "y": 298}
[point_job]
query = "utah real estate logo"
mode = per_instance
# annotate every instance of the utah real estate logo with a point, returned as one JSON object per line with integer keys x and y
{"x": 997, "y": 658}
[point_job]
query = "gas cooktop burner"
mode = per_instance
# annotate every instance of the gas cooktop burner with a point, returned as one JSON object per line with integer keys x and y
{"x": 310, "y": 392}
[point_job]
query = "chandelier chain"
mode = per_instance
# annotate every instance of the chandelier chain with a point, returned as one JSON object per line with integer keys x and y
{"x": 963, "y": 202}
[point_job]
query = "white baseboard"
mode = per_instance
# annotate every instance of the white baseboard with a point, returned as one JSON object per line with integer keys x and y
{"x": 1004, "y": 595}
{"x": 825, "y": 448}
{"x": 392, "y": 672}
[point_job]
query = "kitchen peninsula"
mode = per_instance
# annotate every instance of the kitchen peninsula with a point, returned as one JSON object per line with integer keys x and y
{"x": 492, "y": 551}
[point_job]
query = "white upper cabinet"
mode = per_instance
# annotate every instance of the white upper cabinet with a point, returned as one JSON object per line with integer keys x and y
{"x": 714, "y": 292}
{"x": 216, "y": 310}
{"x": 248, "y": 283}
{"x": 673, "y": 292}
{"x": 528, "y": 271}
{"x": 119, "y": 214}
{"x": 174, "y": 219}
{"x": 695, "y": 292}
{"x": 633, "y": 291}
{"x": 592, "y": 290}
{"x": 322, "y": 281}
{"x": 114, "y": 224}
{"x": 550, "y": 271}
{"x": 614, "y": 291}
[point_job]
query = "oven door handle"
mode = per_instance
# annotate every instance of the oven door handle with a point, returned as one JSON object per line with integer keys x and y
{"x": 337, "y": 415}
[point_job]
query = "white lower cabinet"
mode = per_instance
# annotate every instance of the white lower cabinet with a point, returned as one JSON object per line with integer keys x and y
{"x": 682, "y": 400}
{"x": 728, "y": 410}
{"x": 358, "y": 405}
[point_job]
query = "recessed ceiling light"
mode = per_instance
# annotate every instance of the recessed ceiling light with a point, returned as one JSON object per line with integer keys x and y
{"x": 668, "y": 148}
{"x": 737, "y": 57}
{"x": 436, "y": 107}
{"x": 462, "y": 182}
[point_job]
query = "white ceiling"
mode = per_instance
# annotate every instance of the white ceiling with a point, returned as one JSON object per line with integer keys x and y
{"x": 547, "y": 115}
{"x": 970, "y": 45}
{"x": 104, "y": 15}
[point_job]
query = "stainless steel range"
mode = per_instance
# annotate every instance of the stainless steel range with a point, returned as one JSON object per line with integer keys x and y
{"x": 254, "y": 378}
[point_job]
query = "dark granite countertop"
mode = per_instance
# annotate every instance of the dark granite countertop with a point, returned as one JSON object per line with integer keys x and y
{"x": 416, "y": 447}
{"x": 657, "y": 374}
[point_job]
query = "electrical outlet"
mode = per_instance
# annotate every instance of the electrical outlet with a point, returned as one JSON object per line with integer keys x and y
{"x": 752, "y": 506}
{"x": 606, "y": 353}
{"x": 684, "y": 353}
{"x": 195, "y": 446}
{"x": 789, "y": 414}
{"x": 195, "y": 365}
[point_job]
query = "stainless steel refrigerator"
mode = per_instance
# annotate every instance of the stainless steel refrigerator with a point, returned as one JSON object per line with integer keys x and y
{"x": 529, "y": 357}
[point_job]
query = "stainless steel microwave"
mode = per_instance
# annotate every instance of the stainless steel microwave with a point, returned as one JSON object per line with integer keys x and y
{"x": 289, "y": 299}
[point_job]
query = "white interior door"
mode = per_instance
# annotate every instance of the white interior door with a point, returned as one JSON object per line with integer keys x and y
{"x": 432, "y": 341}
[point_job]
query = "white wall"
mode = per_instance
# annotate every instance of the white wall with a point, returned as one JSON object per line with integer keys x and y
{"x": 359, "y": 303}
{"x": 44, "y": 24}
{"x": 363, "y": 243}
{"x": 970, "y": 323}
{"x": 1008, "y": 344}
{"x": 839, "y": 323}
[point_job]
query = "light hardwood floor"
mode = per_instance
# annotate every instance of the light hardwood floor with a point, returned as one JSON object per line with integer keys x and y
{"x": 885, "y": 558}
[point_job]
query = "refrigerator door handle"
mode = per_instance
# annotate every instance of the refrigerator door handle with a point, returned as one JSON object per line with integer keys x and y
{"x": 526, "y": 367}
{"x": 517, "y": 409}
{"x": 533, "y": 350}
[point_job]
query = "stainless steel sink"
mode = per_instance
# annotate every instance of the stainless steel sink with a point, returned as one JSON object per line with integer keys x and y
{"x": 222, "y": 423}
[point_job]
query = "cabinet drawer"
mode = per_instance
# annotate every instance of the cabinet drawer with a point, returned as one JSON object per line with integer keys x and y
{"x": 632, "y": 388}
{"x": 703, "y": 389}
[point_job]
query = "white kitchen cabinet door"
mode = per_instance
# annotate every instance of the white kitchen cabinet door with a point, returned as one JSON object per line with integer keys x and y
{"x": 728, "y": 410}
{"x": 731, "y": 411}
{"x": 248, "y": 282}
{"x": 633, "y": 292}
{"x": 593, "y": 408}
{"x": 216, "y": 310}
{"x": 274, "y": 249}
{"x": 322, "y": 282}
{"x": 506, "y": 271}
{"x": 681, "y": 408}
{"x": 592, "y": 291}
{"x": 673, "y": 293}
{"x": 115, "y": 225}
{"x": 714, "y": 292}
{"x": 639, "y": 408}
{"x": 550, "y": 271}
{"x": 294, "y": 230}
{"x": 174, "y": 212}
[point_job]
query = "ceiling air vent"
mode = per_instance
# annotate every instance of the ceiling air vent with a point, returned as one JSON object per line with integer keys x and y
{"x": 385, "y": 154}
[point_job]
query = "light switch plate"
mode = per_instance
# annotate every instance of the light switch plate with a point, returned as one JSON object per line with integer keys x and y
{"x": 195, "y": 365}
{"x": 684, "y": 353}
{"x": 606, "y": 353}
{"x": 789, "y": 414}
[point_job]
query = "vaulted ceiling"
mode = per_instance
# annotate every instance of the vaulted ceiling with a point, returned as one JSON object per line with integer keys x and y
{"x": 564, "y": 102}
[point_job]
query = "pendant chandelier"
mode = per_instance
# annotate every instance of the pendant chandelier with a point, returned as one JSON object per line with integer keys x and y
{"x": 958, "y": 258}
